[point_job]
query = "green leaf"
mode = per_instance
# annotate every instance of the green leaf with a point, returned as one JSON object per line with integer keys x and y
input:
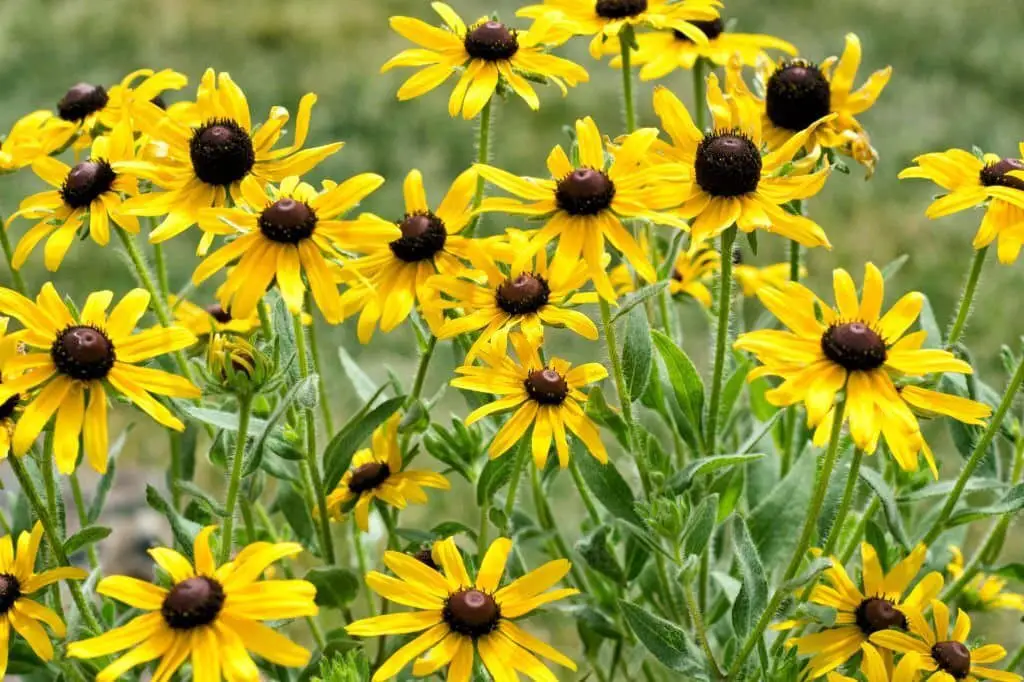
{"x": 816, "y": 568}
{"x": 107, "y": 480}
{"x": 338, "y": 453}
{"x": 930, "y": 325}
{"x": 608, "y": 486}
{"x": 637, "y": 353}
{"x": 498, "y": 472}
{"x": 363, "y": 384}
{"x": 1012, "y": 503}
{"x": 297, "y": 515}
{"x": 637, "y": 297}
{"x": 204, "y": 498}
{"x": 943, "y": 488}
{"x": 184, "y": 530}
{"x": 292, "y": 396}
{"x": 602, "y": 413}
{"x": 221, "y": 420}
{"x": 889, "y": 507}
{"x": 595, "y": 551}
{"x": 890, "y": 269}
{"x": 683, "y": 479}
{"x": 683, "y": 376}
{"x": 667, "y": 642}
{"x": 85, "y": 537}
{"x": 336, "y": 587}
{"x": 1014, "y": 571}
{"x": 753, "y": 597}
{"x": 776, "y": 521}
{"x": 701, "y": 525}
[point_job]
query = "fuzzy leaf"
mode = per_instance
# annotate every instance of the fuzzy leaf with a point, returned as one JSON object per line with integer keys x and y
{"x": 682, "y": 480}
{"x": 338, "y": 453}
{"x": 637, "y": 353}
{"x": 892, "y": 511}
{"x": 683, "y": 376}
{"x": 608, "y": 486}
{"x": 85, "y": 537}
{"x": 753, "y": 596}
{"x": 667, "y": 642}
{"x": 336, "y": 587}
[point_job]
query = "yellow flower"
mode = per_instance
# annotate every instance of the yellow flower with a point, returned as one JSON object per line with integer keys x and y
{"x": 531, "y": 295}
{"x": 752, "y": 278}
{"x": 798, "y": 93}
{"x": 486, "y": 52}
{"x": 605, "y": 19}
{"x": 282, "y": 234}
{"x": 12, "y": 407}
{"x": 728, "y": 180}
{"x": 972, "y": 182}
{"x": 459, "y": 614}
{"x": 376, "y": 474}
{"x": 24, "y": 143}
{"x": 212, "y": 319}
{"x": 207, "y": 162}
{"x": 942, "y": 652}
{"x": 856, "y": 349}
{"x": 70, "y": 355}
{"x": 585, "y": 205}
{"x": 89, "y": 193}
{"x": 693, "y": 270}
{"x": 876, "y": 668}
{"x": 983, "y": 592}
{"x": 211, "y": 615}
{"x": 18, "y": 579}
{"x": 546, "y": 396}
{"x": 879, "y": 607}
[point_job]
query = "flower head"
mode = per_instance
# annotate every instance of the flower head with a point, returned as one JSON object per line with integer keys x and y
{"x": 693, "y": 270}
{"x": 457, "y": 614}
{"x": 25, "y": 142}
{"x": 983, "y": 592}
{"x": 752, "y": 278}
{"x": 210, "y": 319}
{"x": 876, "y": 668}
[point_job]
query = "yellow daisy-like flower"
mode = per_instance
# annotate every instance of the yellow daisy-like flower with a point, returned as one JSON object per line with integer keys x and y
{"x": 728, "y": 180}
{"x": 586, "y": 204}
{"x": 206, "y": 163}
{"x": 486, "y": 52}
{"x": 530, "y": 296}
{"x": 662, "y": 52}
{"x": 544, "y": 396}
{"x": 972, "y": 182}
{"x": 88, "y": 193}
{"x": 693, "y": 271}
{"x": 606, "y": 19}
{"x": 25, "y": 142}
{"x": 856, "y": 349}
{"x": 18, "y": 579}
{"x": 983, "y": 592}
{"x": 12, "y": 407}
{"x": 943, "y": 653}
{"x": 879, "y": 607}
{"x": 282, "y": 234}
{"x": 459, "y": 614}
{"x": 376, "y": 474}
{"x": 752, "y": 278}
{"x": 210, "y": 614}
{"x": 70, "y": 355}
{"x": 213, "y": 319}
{"x": 798, "y": 93}
{"x": 876, "y": 668}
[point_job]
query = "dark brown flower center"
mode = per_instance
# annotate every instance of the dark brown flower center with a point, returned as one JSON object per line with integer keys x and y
{"x": 585, "y": 191}
{"x": 797, "y": 95}
{"x": 10, "y": 591}
{"x": 368, "y": 476}
{"x": 620, "y": 9}
{"x": 86, "y": 182}
{"x": 491, "y": 41}
{"x": 525, "y": 294}
{"x": 81, "y": 100}
{"x": 287, "y": 221}
{"x": 193, "y": 603}
{"x": 221, "y": 152}
{"x": 728, "y": 164}
{"x": 998, "y": 174}
{"x": 874, "y": 615}
{"x": 712, "y": 29}
{"x": 217, "y": 312}
{"x": 472, "y": 613}
{"x": 423, "y": 235}
{"x": 954, "y": 658}
{"x": 854, "y": 346}
{"x": 83, "y": 352}
{"x": 426, "y": 557}
{"x": 8, "y": 407}
{"x": 546, "y": 386}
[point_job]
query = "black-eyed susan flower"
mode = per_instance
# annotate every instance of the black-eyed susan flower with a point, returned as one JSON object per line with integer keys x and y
{"x": 88, "y": 194}
{"x": 942, "y": 653}
{"x": 584, "y": 205}
{"x": 851, "y": 348}
{"x": 377, "y": 473}
{"x": 529, "y": 296}
{"x": 983, "y": 592}
{"x": 799, "y": 92}
{"x": 11, "y": 408}
{"x": 693, "y": 271}
{"x": 205, "y": 161}
{"x": 883, "y": 604}
{"x": 875, "y": 668}
{"x": 18, "y": 580}
{"x": 606, "y": 19}
{"x": 71, "y": 355}
{"x": 24, "y": 143}
{"x": 728, "y": 180}
{"x": 210, "y": 615}
{"x": 753, "y": 278}
{"x": 211, "y": 319}
{"x": 545, "y": 396}
{"x": 486, "y": 52}
{"x": 458, "y": 615}
{"x": 971, "y": 182}
{"x": 281, "y": 234}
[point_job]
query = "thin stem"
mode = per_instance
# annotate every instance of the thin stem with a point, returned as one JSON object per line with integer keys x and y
{"x": 1016, "y": 660}
{"x": 844, "y": 504}
{"x": 483, "y": 156}
{"x": 721, "y": 338}
{"x": 265, "y": 327}
{"x": 581, "y": 486}
{"x": 513, "y": 484}
{"x": 325, "y": 406}
{"x": 357, "y": 544}
{"x": 19, "y": 283}
{"x": 83, "y": 517}
{"x": 700, "y": 106}
{"x": 702, "y": 633}
{"x": 967, "y": 298}
{"x": 547, "y": 522}
{"x": 481, "y": 538}
{"x": 858, "y": 532}
{"x": 161, "y": 271}
{"x": 175, "y": 440}
{"x": 626, "y": 38}
{"x": 794, "y": 261}
{"x": 227, "y": 537}
{"x": 421, "y": 370}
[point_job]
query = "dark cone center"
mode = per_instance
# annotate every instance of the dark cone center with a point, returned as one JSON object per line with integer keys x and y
{"x": 854, "y": 346}
{"x": 193, "y": 603}
{"x": 874, "y": 615}
{"x": 585, "y": 191}
{"x": 727, "y": 165}
{"x": 546, "y": 386}
{"x": 83, "y": 353}
{"x": 368, "y": 476}
{"x": 491, "y": 41}
{"x": 217, "y": 312}
{"x": 426, "y": 557}
{"x": 998, "y": 174}
{"x": 8, "y": 407}
{"x": 712, "y": 29}
{"x": 472, "y": 613}
{"x": 10, "y": 592}
{"x": 423, "y": 235}
{"x": 81, "y": 100}
{"x": 954, "y": 658}
{"x": 797, "y": 95}
{"x": 620, "y": 9}
{"x": 287, "y": 221}
{"x": 86, "y": 182}
{"x": 221, "y": 152}
{"x": 525, "y": 294}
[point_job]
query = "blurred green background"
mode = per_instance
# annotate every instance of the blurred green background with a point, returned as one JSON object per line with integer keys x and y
{"x": 958, "y": 79}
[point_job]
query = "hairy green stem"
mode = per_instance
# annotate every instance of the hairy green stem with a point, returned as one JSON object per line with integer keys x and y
{"x": 16, "y": 279}
{"x": 626, "y": 38}
{"x": 581, "y": 486}
{"x": 421, "y": 371}
{"x": 967, "y": 298}
{"x": 721, "y": 339}
{"x": 227, "y": 537}
{"x": 522, "y": 454}
{"x": 700, "y": 107}
{"x": 702, "y": 633}
{"x": 83, "y": 517}
{"x": 325, "y": 406}
{"x": 858, "y": 531}
{"x": 161, "y": 271}
{"x": 844, "y": 504}
{"x": 483, "y": 156}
